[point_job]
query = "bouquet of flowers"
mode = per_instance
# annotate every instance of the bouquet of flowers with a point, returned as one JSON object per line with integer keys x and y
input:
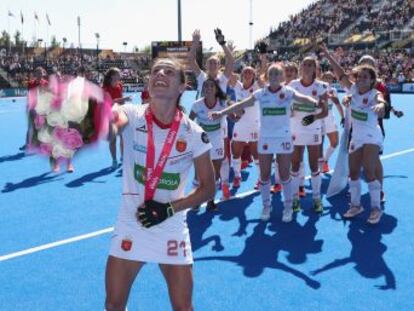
{"x": 67, "y": 115}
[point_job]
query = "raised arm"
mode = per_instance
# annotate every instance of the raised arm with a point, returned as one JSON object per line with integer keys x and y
{"x": 248, "y": 102}
{"x": 192, "y": 55}
{"x": 228, "y": 53}
{"x": 261, "y": 73}
{"x": 338, "y": 106}
{"x": 303, "y": 99}
{"x": 338, "y": 70}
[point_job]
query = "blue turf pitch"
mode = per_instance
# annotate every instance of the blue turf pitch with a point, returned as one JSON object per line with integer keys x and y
{"x": 313, "y": 263}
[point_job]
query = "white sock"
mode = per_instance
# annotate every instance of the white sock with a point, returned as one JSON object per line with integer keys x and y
{"x": 256, "y": 162}
{"x": 328, "y": 153}
{"x": 295, "y": 184}
{"x": 320, "y": 163}
{"x": 287, "y": 193}
{"x": 374, "y": 188}
{"x": 236, "y": 164}
{"x": 277, "y": 178}
{"x": 301, "y": 175}
{"x": 225, "y": 171}
{"x": 316, "y": 184}
{"x": 355, "y": 190}
{"x": 265, "y": 192}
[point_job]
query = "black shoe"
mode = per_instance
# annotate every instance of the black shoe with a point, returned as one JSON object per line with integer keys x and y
{"x": 211, "y": 206}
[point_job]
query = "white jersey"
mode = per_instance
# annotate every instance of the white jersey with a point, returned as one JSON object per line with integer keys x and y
{"x": 190, "y": 143}
{"x": 363, "y": 119}
{"x": 274, "y": 111}
{"x": 251, "y": 114}
{"x": 221, "y": 78}
{"x": 214, "y": 128}
{"x": 315, "y": 90}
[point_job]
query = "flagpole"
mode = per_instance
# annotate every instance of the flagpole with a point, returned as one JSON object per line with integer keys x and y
{"x": 35, "y": 28}
{"x": 8, "y": 26}
{"x": 21, "y": 21}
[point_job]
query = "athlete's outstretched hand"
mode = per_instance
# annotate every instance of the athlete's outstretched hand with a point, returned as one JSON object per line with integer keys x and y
{"x": 323, "y": 48}
{"x": 379, "y": 109}
{"x": 154, "y": 213}
{"x": 261, "y": 47}
{"x": 196, "y": 36}
{"x": 347, "y": 100}
{"x": 308, "y": 120}
{"x": 214, "y": 115}
{"x": 219, "y": 36}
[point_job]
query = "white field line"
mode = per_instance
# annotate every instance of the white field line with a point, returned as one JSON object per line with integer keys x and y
{"x": 110, "y": 229}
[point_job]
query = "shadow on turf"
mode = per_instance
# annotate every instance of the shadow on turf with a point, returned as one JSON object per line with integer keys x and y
{"x": 262, "y": 247}
{"x": 31, "y": 182}
{"x": 14, "y": 157}
{"x": 89, "y": 178}
{"x": 367, "y": 249}
{"x": 260, "y": 252}
{"x": 228, "y": 210}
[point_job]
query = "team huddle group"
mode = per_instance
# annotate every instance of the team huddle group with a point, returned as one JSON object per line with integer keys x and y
{"x": 279, "y": 109}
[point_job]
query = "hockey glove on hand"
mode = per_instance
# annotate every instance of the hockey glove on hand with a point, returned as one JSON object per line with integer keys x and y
{"x": 219, "y": 36}
{"x": 308, "y": 120}
{"x": 153, "y": 213}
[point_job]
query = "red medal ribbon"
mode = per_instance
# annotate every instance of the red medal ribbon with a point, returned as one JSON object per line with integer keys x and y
{"x": 153, "y": 175}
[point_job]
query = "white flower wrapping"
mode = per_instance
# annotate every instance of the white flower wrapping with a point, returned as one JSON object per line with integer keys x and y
{"x": 59, "y": 151}
{"x": 73, "y": 109}
{"x": 75, "y": 106}
{"x": 45, "y": 136}
{"x": 55, "y": 118}
{"x": 43, "y": 103}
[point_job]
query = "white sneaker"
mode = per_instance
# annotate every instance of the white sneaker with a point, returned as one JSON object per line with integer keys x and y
{"x": 266, "y": 213}
{"x": 287, "y": 214}
{"x": 375, "y": 215}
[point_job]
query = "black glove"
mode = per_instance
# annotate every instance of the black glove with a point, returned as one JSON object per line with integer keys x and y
{"x": 261, "y": 47}
{"x": 308, "y": 120}
{"x": 154, "y": 213}
{"x": 398, "y": 113}
{"x": 219, "y": 36}
{"x": 343, "y": 122}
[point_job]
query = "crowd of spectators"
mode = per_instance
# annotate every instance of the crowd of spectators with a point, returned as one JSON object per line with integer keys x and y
{"x": 321, "y": 18}
{"x": 394, "y": 15}
{"x": 19, "y": 68}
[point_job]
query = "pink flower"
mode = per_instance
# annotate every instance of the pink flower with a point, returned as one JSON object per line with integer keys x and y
{"x": 45, "y": 149}
{"x": 39, "y": 121}
{"x": 70, "y": 138}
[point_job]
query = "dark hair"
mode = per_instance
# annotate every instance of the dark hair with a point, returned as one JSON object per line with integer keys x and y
{"x": 292, "y": 65}
{"x": 371, "y": 70}
{"x": 315, "y": 63}
{"x": 219, "y": 93}
{"x": 181, "y": 70}
{"x": 109, "y": 74}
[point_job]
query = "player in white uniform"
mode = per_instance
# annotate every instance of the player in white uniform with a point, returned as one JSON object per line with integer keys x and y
{"x": 160, "y": 146}
{"x": 246, "y": 129}
{"x": 274, "y": 102}
{"x": 306, "y": 129}
{"x": 367, "y": 104}
{"x": 213, "y": 71}
{"x": 214, "y": 100}
{"x": 329, "y": 126}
